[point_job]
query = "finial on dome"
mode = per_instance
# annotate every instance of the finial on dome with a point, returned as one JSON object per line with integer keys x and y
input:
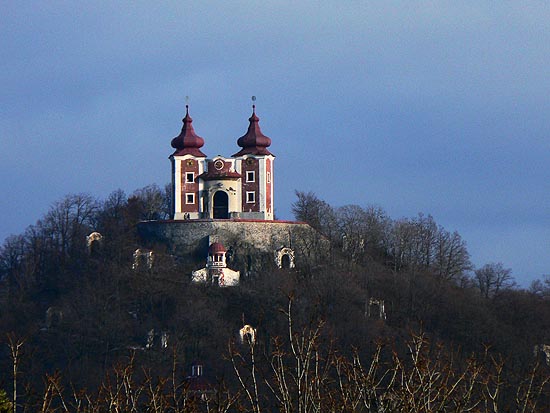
{"x": 253, "y": 104}
{"x": 186, "y": 105}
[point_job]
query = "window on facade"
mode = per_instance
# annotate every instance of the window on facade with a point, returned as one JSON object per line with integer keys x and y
{"x": 268, "y": 177}
{"x": 189, "y": 177}
{"x": 250, "y": 176}
{"x": 189, "y": 198}
{"x": 250, "y": 197}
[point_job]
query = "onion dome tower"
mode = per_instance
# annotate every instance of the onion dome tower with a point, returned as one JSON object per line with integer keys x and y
{"x": 253, "y": 142}
{"x": 256, "y": 168}
{"x": 187, "y": 165}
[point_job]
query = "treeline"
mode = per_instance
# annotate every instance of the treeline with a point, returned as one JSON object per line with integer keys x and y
{"x": 411, "y": 245}
{"x": 62, "y": 297}
{"x": 424, "y": 274}
{"x": 384, "y": 282}
{"x": 56, "y": 244}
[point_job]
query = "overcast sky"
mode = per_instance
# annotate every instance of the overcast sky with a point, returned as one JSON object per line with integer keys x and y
{"x": 435, "y": 107}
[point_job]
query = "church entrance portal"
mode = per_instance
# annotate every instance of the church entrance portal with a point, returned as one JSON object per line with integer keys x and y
{"x": 221, "y": 205}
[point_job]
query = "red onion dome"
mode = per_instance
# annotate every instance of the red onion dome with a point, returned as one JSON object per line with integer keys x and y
{"x": 188, "y": 142}
{"x": 254, "y": 142}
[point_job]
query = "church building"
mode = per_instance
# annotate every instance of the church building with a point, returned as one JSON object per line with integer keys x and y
{"x": 227, "y": 202}
{"x": 240, "y": 186}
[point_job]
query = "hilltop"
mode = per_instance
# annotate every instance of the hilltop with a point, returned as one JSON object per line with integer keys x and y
{"x": 81, "y": 312}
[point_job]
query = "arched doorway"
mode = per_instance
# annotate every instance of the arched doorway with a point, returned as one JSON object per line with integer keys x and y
{"x": 285, "y": 262}
{"x": 284, "y": 258}
{"x": 221, "y": 205}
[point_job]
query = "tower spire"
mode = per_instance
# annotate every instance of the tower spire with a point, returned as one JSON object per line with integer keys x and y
{"x": 253, "y": 142}
{"x": 188, "y": 142}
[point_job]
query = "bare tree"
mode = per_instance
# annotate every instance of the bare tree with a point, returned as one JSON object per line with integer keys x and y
{"x": 316, "y": 212}
{"x": 493, "y": 278}
{"x": 113, "y": 207}
{"x": 154, "y": 202}
{"x": 541, "y": 287}
{"x": 15, "y": 344}
{"x": 303, "y": 375}
{"x": 68, "y": 222}
{"x": 420, "y": 244}
{"x": 365, "y": 231}
{"x": 12, "y": 253}
{"x": 403, "y": 245}
{"x": 451, "y": 260}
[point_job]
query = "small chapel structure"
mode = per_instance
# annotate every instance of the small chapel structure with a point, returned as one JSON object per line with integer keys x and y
{"x": 216, "y": 271}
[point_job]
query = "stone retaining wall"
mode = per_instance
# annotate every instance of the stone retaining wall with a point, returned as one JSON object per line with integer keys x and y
{"x": 193, "y": 237}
